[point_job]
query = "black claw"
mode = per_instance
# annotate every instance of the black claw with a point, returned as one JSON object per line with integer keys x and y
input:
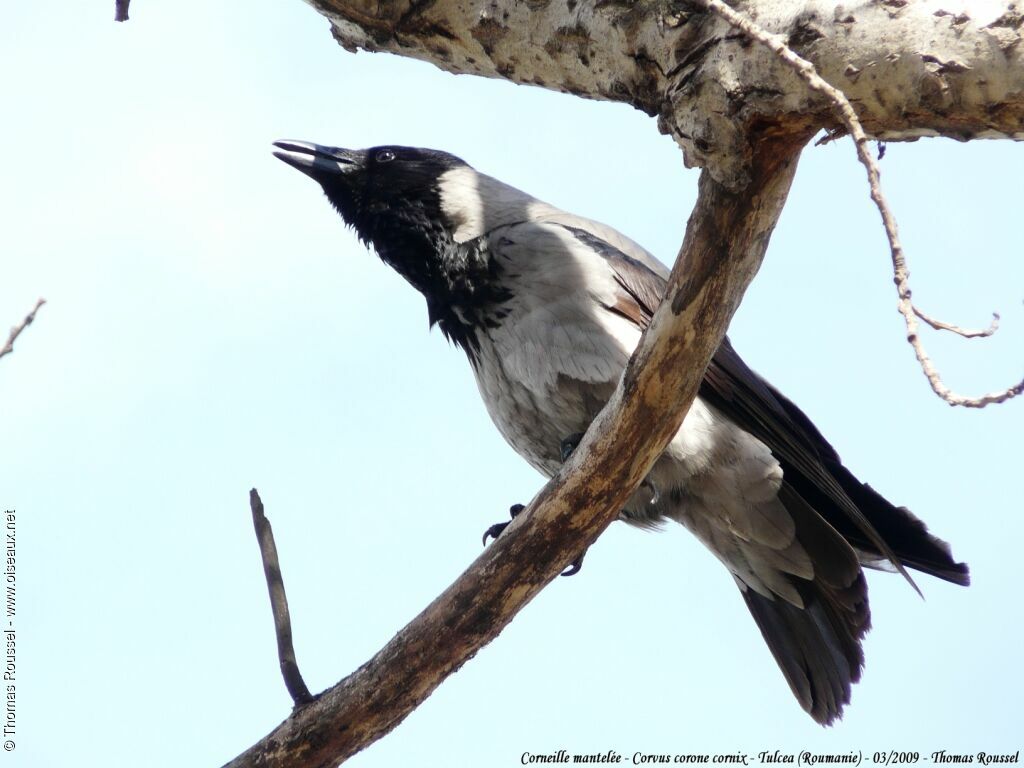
{"x": 574, "y": 566}
{"x": 495, "y": 530}
{"x": 569, "y": 444}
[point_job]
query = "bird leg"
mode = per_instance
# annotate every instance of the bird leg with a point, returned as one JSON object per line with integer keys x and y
{"x": 565, "y": 449}
{"x": 495, "y": 530}
{"x": 567, "y": 446}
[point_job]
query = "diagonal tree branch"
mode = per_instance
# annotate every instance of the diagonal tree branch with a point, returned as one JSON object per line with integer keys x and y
{"x": 8, "y": 348}
{"x": 726, "y": 239}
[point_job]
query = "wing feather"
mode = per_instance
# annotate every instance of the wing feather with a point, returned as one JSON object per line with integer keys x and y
{"x": 809, "y": 462}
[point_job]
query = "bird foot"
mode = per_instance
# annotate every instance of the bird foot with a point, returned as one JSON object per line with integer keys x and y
{"x": 568, "y": 445}
{"x": 496, "y": 530}
{"x": 574, "y": 566}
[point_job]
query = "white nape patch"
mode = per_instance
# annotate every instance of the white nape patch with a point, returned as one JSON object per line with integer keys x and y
{"x": 475, "y": 204}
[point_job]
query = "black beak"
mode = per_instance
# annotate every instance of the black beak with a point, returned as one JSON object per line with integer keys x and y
{"x": 318, "y": 162}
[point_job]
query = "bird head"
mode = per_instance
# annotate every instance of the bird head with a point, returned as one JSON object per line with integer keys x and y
{"x": 376, "y": 190}
{"x": 391, "y": 196}
{"x": 422, "y": 211}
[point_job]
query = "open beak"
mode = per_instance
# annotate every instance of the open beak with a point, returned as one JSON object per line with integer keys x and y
{"x": 316, "y": 161}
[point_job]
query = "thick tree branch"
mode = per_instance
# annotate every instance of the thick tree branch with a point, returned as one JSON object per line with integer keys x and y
{"x": 726, "y": 239}
{"x": 278, "y": 603}
{"x": 901, "y": 274}
{"x": 911, "y": 68}
{"x": 121, "y": 10}
{"x": 7, "y": 348}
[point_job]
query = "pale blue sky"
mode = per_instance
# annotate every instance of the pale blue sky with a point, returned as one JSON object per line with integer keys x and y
{"x": 212, "y": 326}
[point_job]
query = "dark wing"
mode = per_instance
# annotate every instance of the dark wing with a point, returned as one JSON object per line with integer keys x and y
{"x": 817, "y": 647}
{"x": 810, "y": 464}
{"x": 642, "y": 289}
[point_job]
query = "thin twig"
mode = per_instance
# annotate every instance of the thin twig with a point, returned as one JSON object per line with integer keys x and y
{"x": 831, "y": 134}
{"x": 16, "y": 330}
{"x": 941, "y": 325}
{"x": 121, "y": 10}
{"x": 278, "y": 603}
{"x": 901, "y": 275}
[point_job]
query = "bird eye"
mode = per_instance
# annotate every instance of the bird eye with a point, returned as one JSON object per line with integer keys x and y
{"x": 385, "y": 156}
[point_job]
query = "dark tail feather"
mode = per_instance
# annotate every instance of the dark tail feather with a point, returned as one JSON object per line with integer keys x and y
{"x": 818, "y": 647}
{"x": 900, "y": 529}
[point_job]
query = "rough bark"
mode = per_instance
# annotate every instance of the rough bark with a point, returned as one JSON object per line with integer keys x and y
{"x": 911, "y": 67}
{"x": 726, "y": 239}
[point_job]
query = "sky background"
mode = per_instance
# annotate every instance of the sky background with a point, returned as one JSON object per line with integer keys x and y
{"x": 212, "y": 326}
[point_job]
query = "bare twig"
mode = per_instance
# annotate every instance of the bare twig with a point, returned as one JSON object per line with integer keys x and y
{"x": 901, "y": 274}
{"x": 121, "y": 10}
{"x": 16, "y": 330}
{"x": 941, "y": 325}
{"x": 831, "y": 134}
{"x": 278, "y": 603}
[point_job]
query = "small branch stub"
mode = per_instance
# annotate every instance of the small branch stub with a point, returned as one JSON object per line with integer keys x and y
{"x": 278, "y": 603}
{"x": 16, "y": 330}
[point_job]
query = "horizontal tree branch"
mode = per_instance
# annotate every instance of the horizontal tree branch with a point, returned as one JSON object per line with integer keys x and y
{"x": 911, "y": 68}
{"x": 726, "y": 238}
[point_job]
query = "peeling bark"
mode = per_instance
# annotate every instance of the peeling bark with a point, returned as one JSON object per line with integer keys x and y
{"x": 911, "y": 68}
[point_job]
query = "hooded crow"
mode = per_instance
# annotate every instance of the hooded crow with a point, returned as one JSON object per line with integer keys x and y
{"x": 548, "y": 306}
